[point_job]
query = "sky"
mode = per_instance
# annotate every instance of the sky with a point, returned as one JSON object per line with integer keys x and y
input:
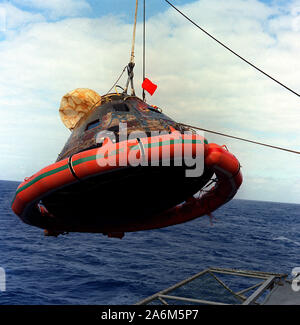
{"x": 48, "y": 48}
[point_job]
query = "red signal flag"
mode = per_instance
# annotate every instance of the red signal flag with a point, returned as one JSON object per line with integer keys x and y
{"x": 149, "y": 86}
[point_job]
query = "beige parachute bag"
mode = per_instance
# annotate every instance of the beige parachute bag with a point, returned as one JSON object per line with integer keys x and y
{"x": 76, "y": 104}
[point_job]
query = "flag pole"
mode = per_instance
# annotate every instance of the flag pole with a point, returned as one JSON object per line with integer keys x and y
{"x": 144, "y": 47}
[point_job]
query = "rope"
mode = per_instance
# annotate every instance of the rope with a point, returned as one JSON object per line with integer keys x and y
{"x": 241, "y": 139}
{"x": 233, "y": 52}
{"x": 134, "y": 29}
{"x": 131, "y": 63}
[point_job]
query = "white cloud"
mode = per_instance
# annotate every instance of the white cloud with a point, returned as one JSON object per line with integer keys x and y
{"x": 198, "y": 81}
{"x": 55, "y": 9}
{"x": 13, "y": 17}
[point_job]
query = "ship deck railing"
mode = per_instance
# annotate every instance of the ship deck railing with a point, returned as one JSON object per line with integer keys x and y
{"x": 224, "y": 286}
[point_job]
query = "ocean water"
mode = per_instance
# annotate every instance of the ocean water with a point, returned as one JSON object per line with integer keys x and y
{"x": 91, "y": 269}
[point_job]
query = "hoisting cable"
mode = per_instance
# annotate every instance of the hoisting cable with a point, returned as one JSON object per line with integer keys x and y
{"x": 131, "y": 63}
{"x": 241, "y": 139}
{"x": 230, "y": 50}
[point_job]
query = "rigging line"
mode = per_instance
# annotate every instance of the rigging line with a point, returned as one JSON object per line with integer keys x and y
{"x": 134, "y": 29}
{"x": 144, "y": 47}
{"x": 241, "y": 139}
{"x": 117, "y": 80}
{"x": 230, "y": 50}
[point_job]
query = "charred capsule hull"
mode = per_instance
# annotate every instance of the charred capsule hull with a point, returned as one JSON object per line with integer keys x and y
{"x": 79, "y": 194}
{"x": 129, "y": 113}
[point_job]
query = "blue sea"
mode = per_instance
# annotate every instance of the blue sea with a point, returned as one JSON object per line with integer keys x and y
{"x": 91, "y": 269}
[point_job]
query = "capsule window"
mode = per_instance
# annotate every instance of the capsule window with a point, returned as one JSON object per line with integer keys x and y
{"x": 92, "y": 125}
{"x": 122, "y": 107}
{"x": 113, "y": 128}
